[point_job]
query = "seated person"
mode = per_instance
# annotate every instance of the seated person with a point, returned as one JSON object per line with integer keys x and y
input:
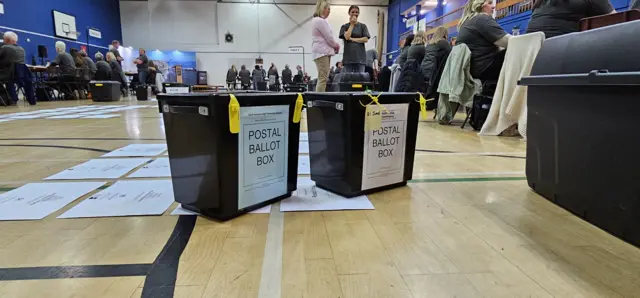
{"x": 103, "y": 69}
{"x": 435, "y": 58}
{"x": 67, "y": 69}
{"x": 89, "y": 62}
{"x": 10, "y": 55}
{"x": 116, "y": 71}
{"x": 559, "y": 17}
{"x": 484, "y": 37}
{"x": 411, "y": 78}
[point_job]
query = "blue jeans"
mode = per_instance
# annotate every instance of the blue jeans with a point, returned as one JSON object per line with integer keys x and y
{"x": 142, "y": 76}
{"x": 353, "y": 67}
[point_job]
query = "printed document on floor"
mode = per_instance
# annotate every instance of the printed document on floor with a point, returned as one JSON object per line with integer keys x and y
{"x": 38, "y": 200}
{"x": 126, "y": 198}
{"x": 309, "y": 197}
{"x": 304, "y": 165}
{"x": 135, "y": 150}
{"x": 158, "y": 168}
{"x": 110, "y": 168}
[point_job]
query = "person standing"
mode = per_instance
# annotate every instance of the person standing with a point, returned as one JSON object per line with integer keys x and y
{"x": 115, "y": 45}
{"x": 142, "y": 63}
{"x": 245, "y": 77}
{"x": 355, "y": 35}
{"x": 323, "y": 45}
{"x": 232, "y": 75}
{"x": 287, "y": 75}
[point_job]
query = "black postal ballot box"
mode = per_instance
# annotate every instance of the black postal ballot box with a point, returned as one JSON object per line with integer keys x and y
{"x": 582, "y": 141}
{"x": 231, "y": 154}
{"x": 347, "y": 159}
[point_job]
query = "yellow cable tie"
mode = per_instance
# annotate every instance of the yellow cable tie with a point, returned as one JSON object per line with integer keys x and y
{"x": 234, "y": 114}
{"x": 297, "y": 112}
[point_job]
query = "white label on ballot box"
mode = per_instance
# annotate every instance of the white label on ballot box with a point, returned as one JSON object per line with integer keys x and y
{"x": 263, "y": 149}
{"x": 384, "y": 148}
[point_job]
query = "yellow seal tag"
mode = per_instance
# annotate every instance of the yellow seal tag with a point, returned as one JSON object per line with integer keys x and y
{"x": 234, "y": 114}
{"x": 297, "y": 112}
{"x": 423, "y": 106}
{"x": 372, "y": 118}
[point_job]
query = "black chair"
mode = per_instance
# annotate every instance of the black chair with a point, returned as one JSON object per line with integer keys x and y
{"x": 5, "y": 96}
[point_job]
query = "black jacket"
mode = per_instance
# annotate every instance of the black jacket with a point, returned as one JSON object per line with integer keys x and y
{"x": 432, "y": 65}
{"x": 231, "y": 75}
{"x": 245, "y": 77}
{"x": 287, "y": 76}
{"x": 411, "y": 78}
{"x": 9, "y": 55}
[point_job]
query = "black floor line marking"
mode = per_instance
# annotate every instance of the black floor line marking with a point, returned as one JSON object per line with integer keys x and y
{"x": 161, "y": 280}
{"x": 81, "y": 139}
{"x": 56, "y": 146}
{"x": 60, "y": 272}
{"x": 492, "y": 155}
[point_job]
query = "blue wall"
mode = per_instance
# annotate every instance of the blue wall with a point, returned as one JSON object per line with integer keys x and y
{"x": 36, "y": 16}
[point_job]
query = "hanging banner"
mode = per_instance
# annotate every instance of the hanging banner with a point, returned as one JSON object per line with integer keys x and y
{"x": 263, "y": 151}
{"x": 384, "y": 148}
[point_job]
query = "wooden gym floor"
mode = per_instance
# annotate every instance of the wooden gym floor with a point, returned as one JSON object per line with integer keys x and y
{"x": 466, "y": 226}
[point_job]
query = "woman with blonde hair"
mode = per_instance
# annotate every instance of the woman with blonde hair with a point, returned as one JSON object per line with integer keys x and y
{"x": 323, "y": 44}
{"x": 411, "y": 78}
{"x": 435, "y": 57}
{"x": 484, "y": 37}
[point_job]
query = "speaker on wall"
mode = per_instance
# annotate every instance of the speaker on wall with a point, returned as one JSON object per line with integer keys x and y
{"x": 42, "y": 51}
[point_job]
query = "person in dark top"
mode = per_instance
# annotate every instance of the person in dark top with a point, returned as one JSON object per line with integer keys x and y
{"x": 245, "y": 77}
{"x": 10, "y": 53}
{"x": 355, "y": 35}
{"x": 559, "y": 17}
{"x": 338, "y": 67}
{"x": 411, "y": 78}
{"x": 405, "y": 50}
{"x": 142, "y": 63}
{"x": 80, "y": 64}
{"x": 273, "y": 71}
{"x": 287, "y": 75}
{"x": 232, "y": 76}
{"x": 257, "y": 77}
{"x": 89, "y": 62}
{"x": 484, "y": 37}
{"x": 64, "y": 61}
{"x": 116, "y": 71}
{"x": 635, "y": 4}
{"x": 435, "y": 58}
{"x": 103, "y": 69}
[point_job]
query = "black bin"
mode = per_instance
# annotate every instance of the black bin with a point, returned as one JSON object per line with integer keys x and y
{"x": 355, "y": 81}
{"x": 104, "y": 90}
{"x": 582, "y": 138}
{"x": 349, "y": 161}
{"x": 221, "y": 172}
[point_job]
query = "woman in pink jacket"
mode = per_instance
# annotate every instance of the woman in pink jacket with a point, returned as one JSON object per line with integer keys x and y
{"x": 323, "y": 44}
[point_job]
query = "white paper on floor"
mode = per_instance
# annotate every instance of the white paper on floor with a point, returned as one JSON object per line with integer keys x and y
{"x": 107, "y": 116}
{"x": 6, "y": 120}
{"x": 308, "y": 197}
{"x": 158, "y": 168}
{"x": 304, "y": 147}
{"x": 38, "y": 200}
{"x": 304, "y": 136}
{"x": 304, "y": 165}
{"x": 126, "y": 198}
{"x": 34, "y": 116}
{"x": 100, "y": 169}
{"x": 181, "y": 211}
{"x": 74, "y": 116}
{"x": 138, "y": 150}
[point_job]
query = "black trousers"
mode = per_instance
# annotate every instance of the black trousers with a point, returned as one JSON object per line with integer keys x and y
{"x": 493, "y": 71}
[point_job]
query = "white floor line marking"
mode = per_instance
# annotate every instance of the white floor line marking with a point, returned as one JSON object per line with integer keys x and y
{"x": 472, "y": 153}
{"x": 465, "y": 174}
{"x": 271, "y": 278}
